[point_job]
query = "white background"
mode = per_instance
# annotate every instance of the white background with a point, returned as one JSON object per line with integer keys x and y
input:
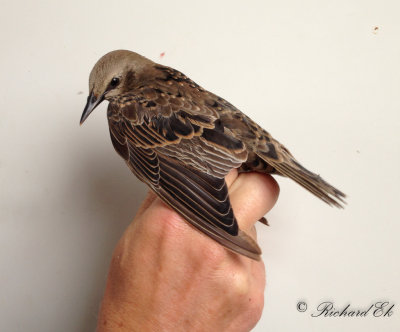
{"x": 314, "y": 73}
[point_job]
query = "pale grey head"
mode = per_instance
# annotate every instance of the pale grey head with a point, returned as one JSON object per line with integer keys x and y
{"x": 112, "y": 75}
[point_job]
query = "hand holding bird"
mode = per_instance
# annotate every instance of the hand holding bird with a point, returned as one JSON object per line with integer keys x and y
{"x": 166, "y": 276}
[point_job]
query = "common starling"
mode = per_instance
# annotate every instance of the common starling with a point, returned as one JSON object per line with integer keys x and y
{"x": 182, "y": 140}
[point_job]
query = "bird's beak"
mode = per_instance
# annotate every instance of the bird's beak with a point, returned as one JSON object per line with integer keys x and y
{"x": 92, "y": 102}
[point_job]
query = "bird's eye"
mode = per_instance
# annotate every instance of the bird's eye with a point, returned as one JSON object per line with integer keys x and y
{"x": 114, "y": 82}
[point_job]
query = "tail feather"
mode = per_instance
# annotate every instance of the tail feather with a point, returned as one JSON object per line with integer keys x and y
{"x": 310, "y": 181}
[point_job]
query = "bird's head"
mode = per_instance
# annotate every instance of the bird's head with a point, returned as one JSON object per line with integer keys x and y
{"x": 115, "y": 73}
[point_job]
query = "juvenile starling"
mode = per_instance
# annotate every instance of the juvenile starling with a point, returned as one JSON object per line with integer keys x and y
{"x": 182, "y": 140}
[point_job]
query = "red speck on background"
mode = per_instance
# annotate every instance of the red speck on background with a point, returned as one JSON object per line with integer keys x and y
{"x": 162, "y": 54}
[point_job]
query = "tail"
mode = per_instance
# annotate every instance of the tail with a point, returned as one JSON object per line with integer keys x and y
{"x": 312, "y": 182}
{"x": 286, "y": 165}
{"x": 267, "y": 155}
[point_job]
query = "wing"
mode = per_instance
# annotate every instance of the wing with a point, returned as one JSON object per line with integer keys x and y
{"x": 182, "y": 152}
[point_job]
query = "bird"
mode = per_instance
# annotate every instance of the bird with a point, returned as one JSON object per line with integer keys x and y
{"x": 182, "y": 140}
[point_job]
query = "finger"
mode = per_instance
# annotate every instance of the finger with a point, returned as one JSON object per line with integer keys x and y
{"x": 231, "y": 177}
{"x": 252, "y": 232}
{"x": 252, "y": 195}
{"x": 149, "y": 199}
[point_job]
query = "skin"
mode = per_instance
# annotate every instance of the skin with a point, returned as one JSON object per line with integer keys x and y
{"x": 160, "y": 281}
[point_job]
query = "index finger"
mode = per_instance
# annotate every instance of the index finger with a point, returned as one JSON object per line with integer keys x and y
{"x": 252, "y": 195}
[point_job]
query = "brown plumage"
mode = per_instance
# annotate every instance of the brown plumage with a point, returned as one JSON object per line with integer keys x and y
{"x": 182, "y": 140}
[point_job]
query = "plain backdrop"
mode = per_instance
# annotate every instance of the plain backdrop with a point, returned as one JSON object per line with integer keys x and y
{"x": 322, "y": 76}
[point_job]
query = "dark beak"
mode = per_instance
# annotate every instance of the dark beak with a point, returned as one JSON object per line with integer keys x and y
{"x": 92, "y": 103}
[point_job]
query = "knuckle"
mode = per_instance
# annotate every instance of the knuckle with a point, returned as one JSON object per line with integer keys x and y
{"x": 239, "y": 282}
{"x": 214, "y": 253}
{"x": 165, "y": 223}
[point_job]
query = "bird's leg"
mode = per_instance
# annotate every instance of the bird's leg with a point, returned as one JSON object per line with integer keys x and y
{"x": 264, "y": 221}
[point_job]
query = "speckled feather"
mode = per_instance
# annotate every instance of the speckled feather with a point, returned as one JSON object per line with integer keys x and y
{"x": 182, "y": 140}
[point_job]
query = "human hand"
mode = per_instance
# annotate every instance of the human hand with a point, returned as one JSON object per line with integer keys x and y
{"x": 167, "y": 276}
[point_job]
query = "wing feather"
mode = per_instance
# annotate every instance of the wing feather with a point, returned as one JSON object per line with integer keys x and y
{"x": 184, "y": 161}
